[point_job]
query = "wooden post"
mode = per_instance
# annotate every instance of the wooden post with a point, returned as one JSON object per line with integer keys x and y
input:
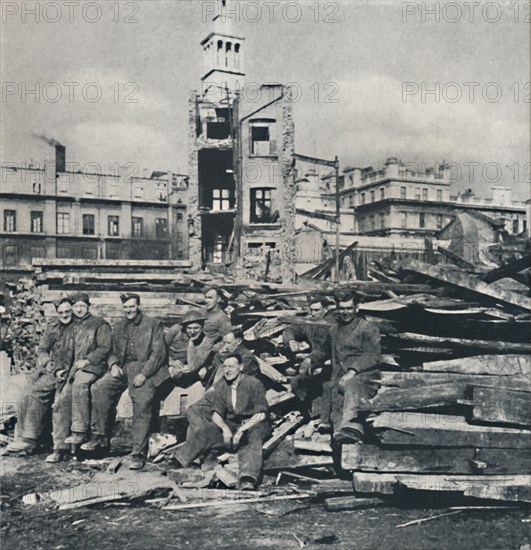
{"x": 338, "y": 217}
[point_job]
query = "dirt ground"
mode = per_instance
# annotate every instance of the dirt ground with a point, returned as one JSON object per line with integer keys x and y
{"x": 288, "y": 524}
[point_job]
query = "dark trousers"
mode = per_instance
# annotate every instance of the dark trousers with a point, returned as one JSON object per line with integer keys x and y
{"x": 203, "y": 435}
{"x": 346, "y": 403}
{"x": 105, "y": 396}
{"x": 307, "y": 388}
{"x": 34, "y": 405}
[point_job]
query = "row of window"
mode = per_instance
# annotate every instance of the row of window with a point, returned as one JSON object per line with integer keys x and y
{"x": 420, "y": 194}
{"x": 88, "y": 223}
{"x": 378, "y": 222}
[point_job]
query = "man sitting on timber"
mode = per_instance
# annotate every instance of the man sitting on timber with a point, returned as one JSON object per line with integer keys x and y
{"x": 138, "y": 363}
{"x": 39, "y": 393}
{"x": 239, "y": 421}
{"x": 217, "y": 322}
{"x": 313, "y": 373}
{"x": 355, "y": 358}
{"x": 199, "y": 350}
{"x": 232, "y": 343}
{"x": 87, "y": 346}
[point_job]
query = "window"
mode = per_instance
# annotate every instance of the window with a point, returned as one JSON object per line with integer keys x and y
{"x": 363, "y": 198}
{"x": 262, "y": 141}
{"x": 260, "y": 205}
{"x": 417, "y": 193}
{"x": 372, "y": 196}
{"x": 36, "y": 222}
{"x": 351, "y": 201}
{"x": 515, "y": 226}
{"x": 422, "y": 219}
{"x": 373, "y": 223}
{"x": 221, "y": 199}
{"x": 10, "y": 255}
{"x": 137, "y": 227}
{"x": 403, "y": 192}
{"x": 63, "y": 223}
{"x": 382, "y": 220}
{"x": 524, "y": 226}
{"x": 36, "y": 187}
{"x": 88, "y": 224}
{"x": 161, "y": 228}
{"x": 439, "y": 194}
{"x": 10, "y": 220}
{"x": 439, "y": 221}
{"x": 113, "y": 226}
{"x": 382, "y": 193}
{"x": 424, "y": 194}
{"x": 180, "y": 216}
{"x": 218, "y": 127}
{"x": 403, "y": 219}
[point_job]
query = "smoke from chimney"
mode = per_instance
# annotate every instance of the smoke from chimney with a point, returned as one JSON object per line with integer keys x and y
{"x": 60, "y": 152}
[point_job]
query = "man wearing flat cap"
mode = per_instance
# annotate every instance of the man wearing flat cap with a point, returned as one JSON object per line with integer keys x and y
{"x": 200, "y": 349}
{"x": 83, "y": 359}
{"x": 138, "y": 363}
{"x": 39, "y": 393}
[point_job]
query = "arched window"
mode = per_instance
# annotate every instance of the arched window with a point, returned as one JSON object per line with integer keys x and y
{"x": 219, "y": 52}
{"x": 228, "y": 54}
{"x": 237, "y": 56}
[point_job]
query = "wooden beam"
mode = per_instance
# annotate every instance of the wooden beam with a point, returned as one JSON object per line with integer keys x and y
{"x": 482, "y": 345}
{"x": 438, "y": 430}
{"x": 507, "y": 270}
{"x": 464, "y": 281}
{"x": 455, "y": 258}
{"x": 499, "y": 365}
{"x": 501, "y": 406}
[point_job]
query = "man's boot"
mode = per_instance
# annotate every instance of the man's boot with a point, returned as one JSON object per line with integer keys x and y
{"x": 96, "y": 442}
{"x": 21, "y": 445}
{"x": 77, "y": 438}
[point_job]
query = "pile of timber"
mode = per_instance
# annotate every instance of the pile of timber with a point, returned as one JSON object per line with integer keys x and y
{"x": 452, "y": 410}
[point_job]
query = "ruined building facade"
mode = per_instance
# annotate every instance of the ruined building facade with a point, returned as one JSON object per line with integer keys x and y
{"x": 242, "y": 183}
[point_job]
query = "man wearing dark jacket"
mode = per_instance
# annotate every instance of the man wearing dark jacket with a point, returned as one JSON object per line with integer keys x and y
{"x": 356, "y": 354}
{"x": 40, "y": 390}
{"x": 239, "y": 420}
{"x": 138, "y": 363}
{"x": 82, "y": 360}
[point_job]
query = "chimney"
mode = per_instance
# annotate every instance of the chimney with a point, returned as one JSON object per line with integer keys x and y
{"x": 60, "y": 158}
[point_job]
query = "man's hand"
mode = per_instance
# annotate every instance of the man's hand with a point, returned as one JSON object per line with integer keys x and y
{"x": 202, "y": 372}
{"x": 346, "y": 378}
{"x": 175, "y": 372}
{"x": 306, "y": 366}
{"x": 236, "y": 438}
{"x": 139, "y": 380}
{"x": 61, "y": 375}
{"x": 116, "y": 371}
{"x": 81, "y": 364}
{"x": 227, "y": 437}
{"x": 294, "y": 346}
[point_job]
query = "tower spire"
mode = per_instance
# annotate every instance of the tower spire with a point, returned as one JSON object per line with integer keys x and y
{"x": 223, "y": 53}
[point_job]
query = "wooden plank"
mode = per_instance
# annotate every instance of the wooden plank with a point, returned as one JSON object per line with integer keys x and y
{"x": 281, "y": 432}
{"x": 484, "y": 345}
{"x": 452, "y": 277}
{"x": 499, "y": 365}
{"x": 501, "y": 406}
{"x": 391, "y": 380}
{"x": 455, "y": 258}
{"x": 507, "y": 270}
{"x": 438, "y": 430}
{"x": 512, "y": 488}
{"x": 401, "y": 399}
{"x": 502, "y": 461}
{"x": 371, "y": 458}
{"x": 335, "y": 504}
{"x": 312, "y": 446}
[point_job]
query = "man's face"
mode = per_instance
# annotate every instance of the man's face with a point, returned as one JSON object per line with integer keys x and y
{"x": 316, "y": 309}
{"x": 81, "y": 309}
{"x": 230, "y": 343}
{"x": 211, "y": 299}
{"x": 131, "y": 309}
{"x": 194, "y": 330}
{"x": 346, "y": 311}
{"x": 64, "y": 311}
{"x": 231, "y": 369}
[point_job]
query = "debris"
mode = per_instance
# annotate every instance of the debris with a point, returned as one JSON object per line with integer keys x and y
{"x": 429, "y": 518}
{"x": 335, "y": 504}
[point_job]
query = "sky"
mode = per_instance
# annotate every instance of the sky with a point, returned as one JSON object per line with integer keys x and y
{"x": 360, "y": 69}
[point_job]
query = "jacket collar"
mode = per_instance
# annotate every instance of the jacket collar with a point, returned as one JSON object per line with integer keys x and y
{"x": 136, "y": 321}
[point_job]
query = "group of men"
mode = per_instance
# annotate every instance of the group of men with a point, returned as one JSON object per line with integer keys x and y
{"x": 84, "y": 366}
